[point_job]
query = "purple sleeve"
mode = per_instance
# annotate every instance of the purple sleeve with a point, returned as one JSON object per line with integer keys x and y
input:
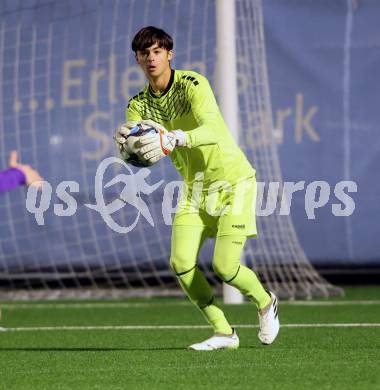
{"x": 11, "y": 178}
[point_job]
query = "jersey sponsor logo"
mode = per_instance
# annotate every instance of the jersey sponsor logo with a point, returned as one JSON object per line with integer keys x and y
{"x": 242, "y": 226}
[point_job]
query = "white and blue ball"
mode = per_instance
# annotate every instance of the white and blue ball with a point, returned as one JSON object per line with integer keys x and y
{"x": 130, "y": 151}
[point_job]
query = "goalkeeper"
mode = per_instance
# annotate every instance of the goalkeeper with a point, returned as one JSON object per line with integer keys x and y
{"x": 181, "y": 106}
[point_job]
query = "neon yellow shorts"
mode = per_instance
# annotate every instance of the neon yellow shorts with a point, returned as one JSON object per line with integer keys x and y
{"x": 229, "y": 210}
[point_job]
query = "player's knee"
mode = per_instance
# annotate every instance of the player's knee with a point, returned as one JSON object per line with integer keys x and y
{"x": 181, "y": 264}
{"x": 226, "y": 270}
{"x": 174, "y": 263}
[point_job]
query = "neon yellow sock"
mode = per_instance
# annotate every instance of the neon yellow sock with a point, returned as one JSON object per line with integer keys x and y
{"x": 226, "y": 262}
{"x": 215, "y": 316}
{"x": 200, "y": 293}
{"x": 249, "y": 285}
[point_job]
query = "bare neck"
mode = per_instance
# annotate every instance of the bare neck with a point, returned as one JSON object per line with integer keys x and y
{"x": 159, "y": 84}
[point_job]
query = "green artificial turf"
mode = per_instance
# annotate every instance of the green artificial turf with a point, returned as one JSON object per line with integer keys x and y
{"x": 301, "y": 358}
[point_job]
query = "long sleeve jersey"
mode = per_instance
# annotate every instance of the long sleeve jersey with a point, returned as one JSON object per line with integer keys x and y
{"x": 189, "y": 104}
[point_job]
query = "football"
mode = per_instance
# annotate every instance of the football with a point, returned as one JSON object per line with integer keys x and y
{"x": 129, "y": 152}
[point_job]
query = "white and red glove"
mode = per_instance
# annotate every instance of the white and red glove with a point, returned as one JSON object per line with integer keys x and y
{"x": 154, "y": 147}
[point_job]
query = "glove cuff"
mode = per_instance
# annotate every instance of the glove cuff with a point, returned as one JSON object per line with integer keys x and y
{"x": 181, "y": 138}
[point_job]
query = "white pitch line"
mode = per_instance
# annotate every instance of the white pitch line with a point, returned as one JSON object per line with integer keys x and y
{"x": 121, "y": 305}
{"x": 330, "y": 303}
{"x": 180, "y": 327}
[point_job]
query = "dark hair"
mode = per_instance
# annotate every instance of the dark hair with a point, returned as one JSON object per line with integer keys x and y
{"x": 150, "y": 35}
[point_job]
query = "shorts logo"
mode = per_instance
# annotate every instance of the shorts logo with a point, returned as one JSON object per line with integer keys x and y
{"x": 238, "y": 226}
{"x": 237, "y": 242}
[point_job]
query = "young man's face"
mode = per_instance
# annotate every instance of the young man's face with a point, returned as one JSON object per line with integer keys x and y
{"x": 154, "y": 60}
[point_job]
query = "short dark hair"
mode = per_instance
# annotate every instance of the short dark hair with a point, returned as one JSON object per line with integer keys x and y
{"x": 150, "y": 35}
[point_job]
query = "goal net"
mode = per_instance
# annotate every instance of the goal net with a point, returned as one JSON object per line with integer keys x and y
{"x": 66, "y": 74}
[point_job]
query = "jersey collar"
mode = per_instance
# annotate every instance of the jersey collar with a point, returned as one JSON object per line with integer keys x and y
{"x": 166, "y": 89}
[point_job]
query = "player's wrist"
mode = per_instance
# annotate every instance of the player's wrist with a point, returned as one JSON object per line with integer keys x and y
{"x": 181, "y": 138}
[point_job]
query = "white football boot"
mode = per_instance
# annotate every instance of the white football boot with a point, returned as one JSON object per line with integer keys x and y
{"x": 217, "y": 342}
{"x": 269, "y": 323}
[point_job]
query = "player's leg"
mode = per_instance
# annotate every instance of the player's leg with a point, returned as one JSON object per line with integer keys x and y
{"x": 234, "y": 226}
{"x": 226, "y": 264}
{"x": 186, "y": 244}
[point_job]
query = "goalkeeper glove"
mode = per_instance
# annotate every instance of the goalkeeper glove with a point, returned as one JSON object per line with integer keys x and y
{"x": 154, "y": 147}
{"x": 121, "y": 135}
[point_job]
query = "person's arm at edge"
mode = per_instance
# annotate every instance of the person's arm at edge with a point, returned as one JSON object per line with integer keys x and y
{"x": 18, "y": 174}
{"x": 11, "y": 178}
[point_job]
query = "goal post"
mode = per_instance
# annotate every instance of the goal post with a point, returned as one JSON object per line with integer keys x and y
{"x": 227, "y": 91}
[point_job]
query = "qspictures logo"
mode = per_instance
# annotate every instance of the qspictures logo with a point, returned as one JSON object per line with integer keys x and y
{"x": 271, "y": 197}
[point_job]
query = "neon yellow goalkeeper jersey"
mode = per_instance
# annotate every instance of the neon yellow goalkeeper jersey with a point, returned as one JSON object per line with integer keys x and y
{"x": 188, "y": 103}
